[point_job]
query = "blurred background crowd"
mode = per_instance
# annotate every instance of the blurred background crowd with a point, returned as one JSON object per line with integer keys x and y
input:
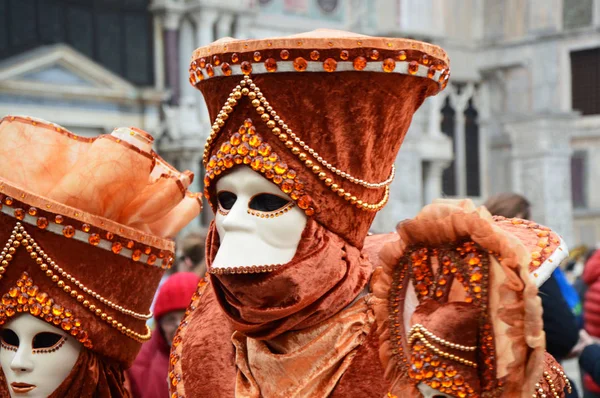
{"x": 521, "y": 114}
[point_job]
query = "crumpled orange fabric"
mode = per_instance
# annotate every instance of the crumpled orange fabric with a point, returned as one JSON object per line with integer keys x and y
{"x": 102, "y": 176}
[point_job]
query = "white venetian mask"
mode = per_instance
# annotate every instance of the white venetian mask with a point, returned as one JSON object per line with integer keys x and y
{"x": 257, "y": 223}
{"x": 35, "y": 356}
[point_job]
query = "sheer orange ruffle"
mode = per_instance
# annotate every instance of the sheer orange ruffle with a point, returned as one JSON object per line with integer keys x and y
{"x": 117, "y": 176}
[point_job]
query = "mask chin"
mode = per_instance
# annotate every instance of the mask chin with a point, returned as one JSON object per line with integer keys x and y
{"x": 250, "y": 235}
{"x": 29, "y": 371}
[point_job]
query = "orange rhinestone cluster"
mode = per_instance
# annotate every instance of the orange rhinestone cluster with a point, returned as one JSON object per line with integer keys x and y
{"x": 546, "y": 240}
{"x": 252, "y": 269}
{"x": 26, "y": 297}
{"x": 469, "y": 265}
{"x": 329, "y": 62}
{"x": 247, "y": 147}
{"x": 175, "y": 371}
{"x": 294, "y": 143}
{"x": 44, "y": 219}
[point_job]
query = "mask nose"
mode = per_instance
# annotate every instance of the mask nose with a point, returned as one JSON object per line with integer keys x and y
{"x": 22, "y": 361}
{"x": 238, "y": 219}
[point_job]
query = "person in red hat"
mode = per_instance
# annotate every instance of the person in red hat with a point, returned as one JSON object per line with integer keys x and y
{"x": 148, "y": 374}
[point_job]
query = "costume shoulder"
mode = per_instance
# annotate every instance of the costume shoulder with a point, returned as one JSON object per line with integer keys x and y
{"x": 457, "y": 305}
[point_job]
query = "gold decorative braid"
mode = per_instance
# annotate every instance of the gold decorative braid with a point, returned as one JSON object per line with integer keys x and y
{"x": 296, "y": 145}
{"x": 419, "y": 336}
{"x": 554, "y": 393}
{"x": 418, "y": 328}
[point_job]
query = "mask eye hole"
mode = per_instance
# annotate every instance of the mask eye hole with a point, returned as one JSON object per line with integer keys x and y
{"x": 46, "y": 340}
{"x": 226, "y": 200}
{"x": 10, "y": 340}
{"x": 267, "y": 202}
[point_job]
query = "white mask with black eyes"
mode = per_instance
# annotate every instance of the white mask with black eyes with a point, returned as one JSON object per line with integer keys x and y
{"x": 257, "y": 223}
{"x": 35, "y": 356}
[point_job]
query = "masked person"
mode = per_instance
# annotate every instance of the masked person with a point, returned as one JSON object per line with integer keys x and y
{"x": 299, "y": 160}
{"x": 85, "y": 225}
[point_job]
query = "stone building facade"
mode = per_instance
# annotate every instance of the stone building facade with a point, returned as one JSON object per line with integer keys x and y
{"x": 522, "y": 112}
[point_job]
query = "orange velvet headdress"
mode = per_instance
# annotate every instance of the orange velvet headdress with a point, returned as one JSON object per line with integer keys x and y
{"x": 321, "y": 114}
{"x": 85, "y": 225}
{"x": 458, "y": 308}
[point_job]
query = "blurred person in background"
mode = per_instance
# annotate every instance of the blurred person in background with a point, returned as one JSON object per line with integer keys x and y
{"x": 148, "y": 375}
{"x": 560, "y": 325}
{"x": 192, "y": 251}
{"x": 591, "y": 316}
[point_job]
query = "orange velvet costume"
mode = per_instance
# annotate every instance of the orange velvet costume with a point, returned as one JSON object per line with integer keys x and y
{"x": 87, "y": 224}
{"x": 322, "y": 115}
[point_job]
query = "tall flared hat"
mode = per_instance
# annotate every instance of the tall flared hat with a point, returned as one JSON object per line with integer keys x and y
{"x": 321, "y": 114}
{"x": 86, "y": 227}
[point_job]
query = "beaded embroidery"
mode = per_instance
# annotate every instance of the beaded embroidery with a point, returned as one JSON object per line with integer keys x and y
{"x": 27, "y": 298}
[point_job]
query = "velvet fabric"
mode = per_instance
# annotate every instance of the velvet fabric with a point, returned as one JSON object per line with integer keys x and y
{"x": 325, "y": 276}
{"x": 92, "y": 376}
{"x": 360, "y": 134}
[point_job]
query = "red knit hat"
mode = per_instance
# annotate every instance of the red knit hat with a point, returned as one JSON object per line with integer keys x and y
{"x": 176, "y": 293}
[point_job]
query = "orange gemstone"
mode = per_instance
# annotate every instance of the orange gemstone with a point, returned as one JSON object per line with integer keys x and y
{"x": 425, "y": 59}
{"x": 226, "y": 69}
{"x": 300, "y": 64}
{"x": 41, "y": 298}
{"x": 257, "y": 56}
{"x": 451, "y": 371}
{"x": 237, "y": 159}
{"x": 19, "y": 214}
{"x": 271, "y": 65}
{"x": 284, "y": 54}
{"x": 136, "y": 255}
{"x": 66, "y": 324}
{"x": 431, "y": 72}
{"x": 216, "y": 60}
{"x": 235, "y": 58}
{"x": 69, "y": 231}
{"x": 413, "y": 67}
{"x": 35, "y": 309}
{"x": 151, "y": 259}
{"x": 304, "y": 202}
{"x": 236, "y": 139}
{"x": 130, "y": 244}
{"x": 228, "y": 161}
{"x": 209, "y": 70}
{"x": 287, "y": 186}
{"x": 309, "y": 212}
{"x": 401, "y": 55}
{"x": 330, "y": 65}
{"x": 202, "y": 62}
{"x": 109, "y": 236}
{"x": 277, "y": 179}
{"x": 360, "y": 63}
{"x": 389, "y": 65}
{"x": 314, "y": 55}
{"x": 94, "y": 239}
{"x": 374, "y": 55}
{"x": 344, "y": 55}
{"x": 85, "y": 227}
{"x": 264, "y": 149}
{"x": 243, "y": 149}
{"x": 57, "y": 309}
{"x": 254, "y": 141}
{"x": 257, "y": 163}
{"x": 280, "y": 168}
{"x": 246, "y": 68}
{"x": 117, "y": 247}
{"x": 32, "y": 211}
{"x": 8, "y": 200}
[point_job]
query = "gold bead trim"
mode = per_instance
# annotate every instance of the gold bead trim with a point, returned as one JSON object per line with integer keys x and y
{"x": 250, "y": 269}
{"x": 21, "y": 238}
{"x": 272, "y": 214}
{"x": 539, "y": 391}
{"x": 419, "y": 336}
{"x": 418, "y": 328}
{"x": 293, "y": 142}
{"x": 47, "y": 262}
{"x": 86, "y": 233}
{"x": 27, "y": 298}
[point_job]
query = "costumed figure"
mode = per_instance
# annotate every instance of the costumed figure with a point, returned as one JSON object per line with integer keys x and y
{"x": 298, "y": 162}
{"x": 85, "y": 225}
